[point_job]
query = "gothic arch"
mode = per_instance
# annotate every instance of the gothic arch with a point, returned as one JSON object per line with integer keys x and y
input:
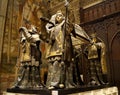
{"x": 115, "y": 56}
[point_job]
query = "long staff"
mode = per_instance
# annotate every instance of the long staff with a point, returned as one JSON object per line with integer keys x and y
{"x": 65, "y": 29}
{"x": 63, "y": 68}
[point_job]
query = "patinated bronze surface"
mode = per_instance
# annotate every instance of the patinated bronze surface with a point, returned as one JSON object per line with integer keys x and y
{"x": 30, "y": 58}
{"x": 95, "y": 52}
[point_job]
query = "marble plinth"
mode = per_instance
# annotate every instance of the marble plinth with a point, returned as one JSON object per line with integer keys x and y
{"x": 84, "y": 90}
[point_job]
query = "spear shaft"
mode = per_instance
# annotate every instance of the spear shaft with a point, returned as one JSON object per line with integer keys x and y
{"x": 65, "y": 29}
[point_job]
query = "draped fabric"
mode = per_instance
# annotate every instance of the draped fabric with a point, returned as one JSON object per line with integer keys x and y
{"x": 59, "y": 54}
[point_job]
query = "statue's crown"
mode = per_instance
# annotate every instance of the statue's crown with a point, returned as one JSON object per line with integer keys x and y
{"x": 93, "y": 35}
{"x": 59, "y": 12}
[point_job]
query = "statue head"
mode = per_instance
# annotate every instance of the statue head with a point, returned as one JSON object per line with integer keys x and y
{"x": 59, "y": 17}
{"x": 93, "y": 37}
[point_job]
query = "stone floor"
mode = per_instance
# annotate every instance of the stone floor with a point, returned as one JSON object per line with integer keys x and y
{"x": 6, "y": 81}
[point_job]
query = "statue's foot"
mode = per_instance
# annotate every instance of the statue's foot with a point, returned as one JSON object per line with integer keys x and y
{"x": 41, "y": 85}
{"x": 38, "y": 85}
{"x": 51, "y": 87}
{"x": 59, "y": 86}
{"x": 94, "y": 82}
{"x": 102, "y": 82}
{"x": 29, "y": 85}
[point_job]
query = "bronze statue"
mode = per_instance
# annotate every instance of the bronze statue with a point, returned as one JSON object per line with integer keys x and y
{"x": 95, "y": 52}
{"x": 59, "y": 52}
{"x": 30, "y": 58}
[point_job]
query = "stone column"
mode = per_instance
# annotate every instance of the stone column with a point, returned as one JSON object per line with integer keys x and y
{"x": 3, "y": 10}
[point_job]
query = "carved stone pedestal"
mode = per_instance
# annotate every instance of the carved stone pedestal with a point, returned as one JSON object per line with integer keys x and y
{"x": 96, "y": 90}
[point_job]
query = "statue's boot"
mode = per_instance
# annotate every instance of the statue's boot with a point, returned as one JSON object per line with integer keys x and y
{"x": 62, "y": 75}
{"x": 93, "y": 74}
{"x": 94, "y": 81}
{"x": 36, "y": 77}
{"x": 69, "y": 78}
{"x": 57, "y": 80}
{"x": 30, "y": 75}
{"x": 93, "y": 77}
{"x": 99, "y": 74}
{"x": 23, "y": 78}
{"x": 100, "y": 77}
{"x": 20, "y": 77}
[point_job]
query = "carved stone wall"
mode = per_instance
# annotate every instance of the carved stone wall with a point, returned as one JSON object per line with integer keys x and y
{"x": 100, "y": 10}
{"x": 107, "y": 27}
{"x": 74, "y": 5}
{"x": 109, "y": 31}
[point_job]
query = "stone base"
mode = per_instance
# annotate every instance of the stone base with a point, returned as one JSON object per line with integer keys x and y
{"x": 96, "y": 90}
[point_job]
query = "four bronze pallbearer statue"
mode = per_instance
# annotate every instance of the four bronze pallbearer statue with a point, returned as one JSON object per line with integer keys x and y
{"x": 61, "y": 55}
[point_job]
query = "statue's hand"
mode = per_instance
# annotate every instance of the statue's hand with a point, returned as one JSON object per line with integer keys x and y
{"x": 66, "y": 3}
{"x": 52, "y": 41}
